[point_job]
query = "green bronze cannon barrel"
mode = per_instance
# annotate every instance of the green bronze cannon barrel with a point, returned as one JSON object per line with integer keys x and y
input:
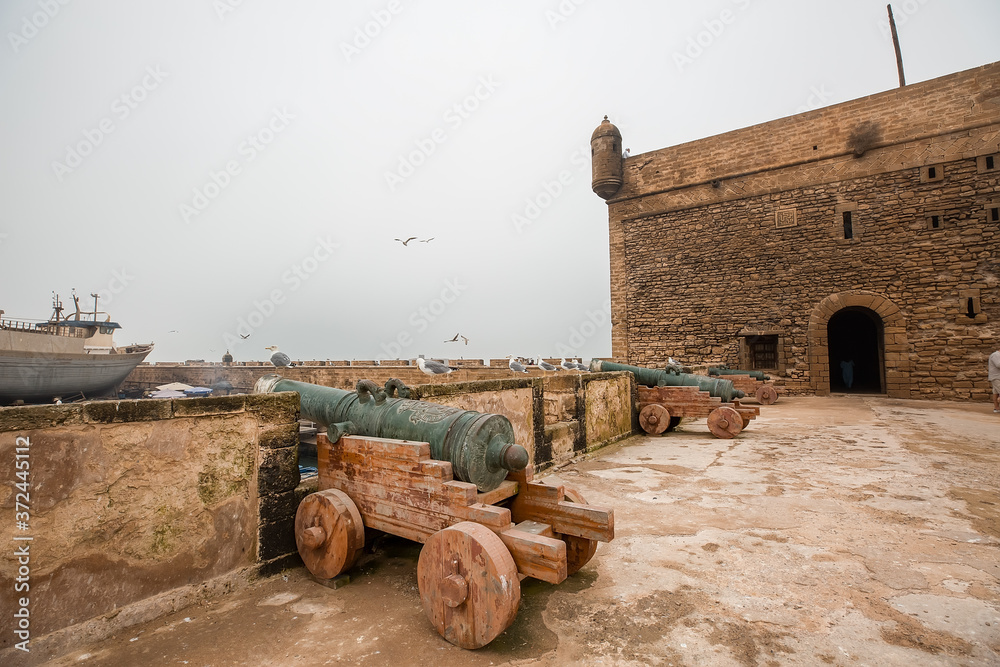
{"x": 479, "y": 446}
{"x": 757, "y": 375}
{"x": 652, "y": 377}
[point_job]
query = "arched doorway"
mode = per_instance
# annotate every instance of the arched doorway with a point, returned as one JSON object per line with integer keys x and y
{"x": 855, "y": 341}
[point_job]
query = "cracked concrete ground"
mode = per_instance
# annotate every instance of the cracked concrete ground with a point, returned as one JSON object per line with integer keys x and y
{"x": 845, "y": 530}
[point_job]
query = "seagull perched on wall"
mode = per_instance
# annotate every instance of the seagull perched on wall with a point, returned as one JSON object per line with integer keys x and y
{"x": 279, "y": 358}
{"x": 406, "y": 241}
{"x": 434, "y": 367}
{"x": 582, "y": 367}
{"x": 544, "y": 365}
{"x": 514, "y": 366}
{"x": 567, "y": 365}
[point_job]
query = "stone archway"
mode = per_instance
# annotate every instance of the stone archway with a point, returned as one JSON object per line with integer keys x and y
{"x": 896, "y": 345}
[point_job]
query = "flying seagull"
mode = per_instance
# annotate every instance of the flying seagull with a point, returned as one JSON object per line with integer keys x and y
{"x": 514, "y": 366}
{"x": 427, "y": 240}
{"x": 406, "y": 241}
{"x": 244, "y": 337}
{"x": 279, "y": 358}
{"x": 465, "y": 339}
{"x": 434, "y": 367}
{"x": 453, "y": 340}
{"x": 544, "y": 365}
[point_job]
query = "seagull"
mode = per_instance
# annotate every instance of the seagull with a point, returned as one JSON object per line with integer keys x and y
{"x": 406, "y": 241}
{"x": 244, "y": 337}
{"x": 427, "y": 240}
{"x": 514, "y": 366}
{"x": 434, "y": 367}
{"x": 453, "y": 340}
{"x": 567, "y": 365}
{"x": 173, "y": 331}
{"x": 582, "y": 367}
{"x": 279, "y": 358}
{"x": 544, "y": 365}
{"x": 465, "y": 339}
{"x": 627, "y": 152}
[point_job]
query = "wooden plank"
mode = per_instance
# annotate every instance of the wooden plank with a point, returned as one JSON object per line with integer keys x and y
{"x": 536, "y": 528}
{"x": 536, "y": 555}
{"x": 406, "y": 450}
{"x": 588, "y": 521}
{"x": 507, "y": 489}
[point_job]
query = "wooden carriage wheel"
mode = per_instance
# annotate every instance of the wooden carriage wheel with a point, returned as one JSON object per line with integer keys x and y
{"x": 468, "y": 584}
{"x": 579, "y": 550}
{"x": 654, "y": 418}
{"x": 725, "y": 422}
{"x": 329, "y": 533}
{"x": 766, "y": 394}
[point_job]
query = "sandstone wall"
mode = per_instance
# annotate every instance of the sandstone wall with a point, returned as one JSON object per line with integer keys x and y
{"x": 743, "y": 234}
{"x": 129, "y": 499}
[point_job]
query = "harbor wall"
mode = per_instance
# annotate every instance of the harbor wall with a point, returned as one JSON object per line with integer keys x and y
{"x": 133, "y": 508}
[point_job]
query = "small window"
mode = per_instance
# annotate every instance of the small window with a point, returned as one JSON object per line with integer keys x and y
{"x": 763, "y": 352}
{"x": 970, "y": 308}
{"x": 932, "y": 173}
{"x": 935, "y": 220}
{"x": 848, "y": 218}
{"x": 985, "y": 163}
{"x": 993, "y": 213}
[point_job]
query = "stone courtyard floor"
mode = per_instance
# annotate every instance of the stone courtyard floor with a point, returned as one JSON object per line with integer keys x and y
{"x": 843, "y": 530}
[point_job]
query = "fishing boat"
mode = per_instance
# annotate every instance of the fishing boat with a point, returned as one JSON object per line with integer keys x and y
{"x": 68, "y": 357}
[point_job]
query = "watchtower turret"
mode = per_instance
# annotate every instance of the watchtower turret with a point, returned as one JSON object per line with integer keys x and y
{"x": 606, "y": 157}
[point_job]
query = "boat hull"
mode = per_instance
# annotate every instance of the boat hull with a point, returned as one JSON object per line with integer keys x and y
{"x": 43, "y": 377}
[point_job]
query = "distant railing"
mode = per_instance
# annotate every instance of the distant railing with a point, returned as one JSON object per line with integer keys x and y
{"x": 46, "y": 328}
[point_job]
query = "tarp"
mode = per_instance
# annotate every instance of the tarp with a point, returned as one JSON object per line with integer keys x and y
{"x": 175, "y": 386}
{"x": 167, "y": 393}
{"x": 198, "y": 391}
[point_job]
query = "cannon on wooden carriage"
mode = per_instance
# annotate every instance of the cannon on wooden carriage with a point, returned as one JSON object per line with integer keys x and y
{"x": 389, "y": 464}
{"x": 753, "y": 383}
{"x": 665, "y": 397}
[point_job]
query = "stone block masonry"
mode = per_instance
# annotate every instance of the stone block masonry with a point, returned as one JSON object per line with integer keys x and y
{"x": 887, "y": 206}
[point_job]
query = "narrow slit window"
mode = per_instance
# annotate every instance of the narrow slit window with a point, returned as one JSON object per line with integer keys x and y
{"x": 990, "y": 162}
{"x": 993, "y": 214}
{"x": 970, "y": 307}
{"x": 931, "y": 172}
{"x": 848, "y": 225}
{"x": 935, "y": 222}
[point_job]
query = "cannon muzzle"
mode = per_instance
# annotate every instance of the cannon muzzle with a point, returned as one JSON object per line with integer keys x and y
{"x": 652, "y": 377}
{"x": 479, "y": 446}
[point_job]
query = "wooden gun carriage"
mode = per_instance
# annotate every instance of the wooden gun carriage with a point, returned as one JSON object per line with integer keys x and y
{"x": 479, "y": 541}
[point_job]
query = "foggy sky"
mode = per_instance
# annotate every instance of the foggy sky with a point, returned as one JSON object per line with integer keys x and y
{"x": 222, "y": 168}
